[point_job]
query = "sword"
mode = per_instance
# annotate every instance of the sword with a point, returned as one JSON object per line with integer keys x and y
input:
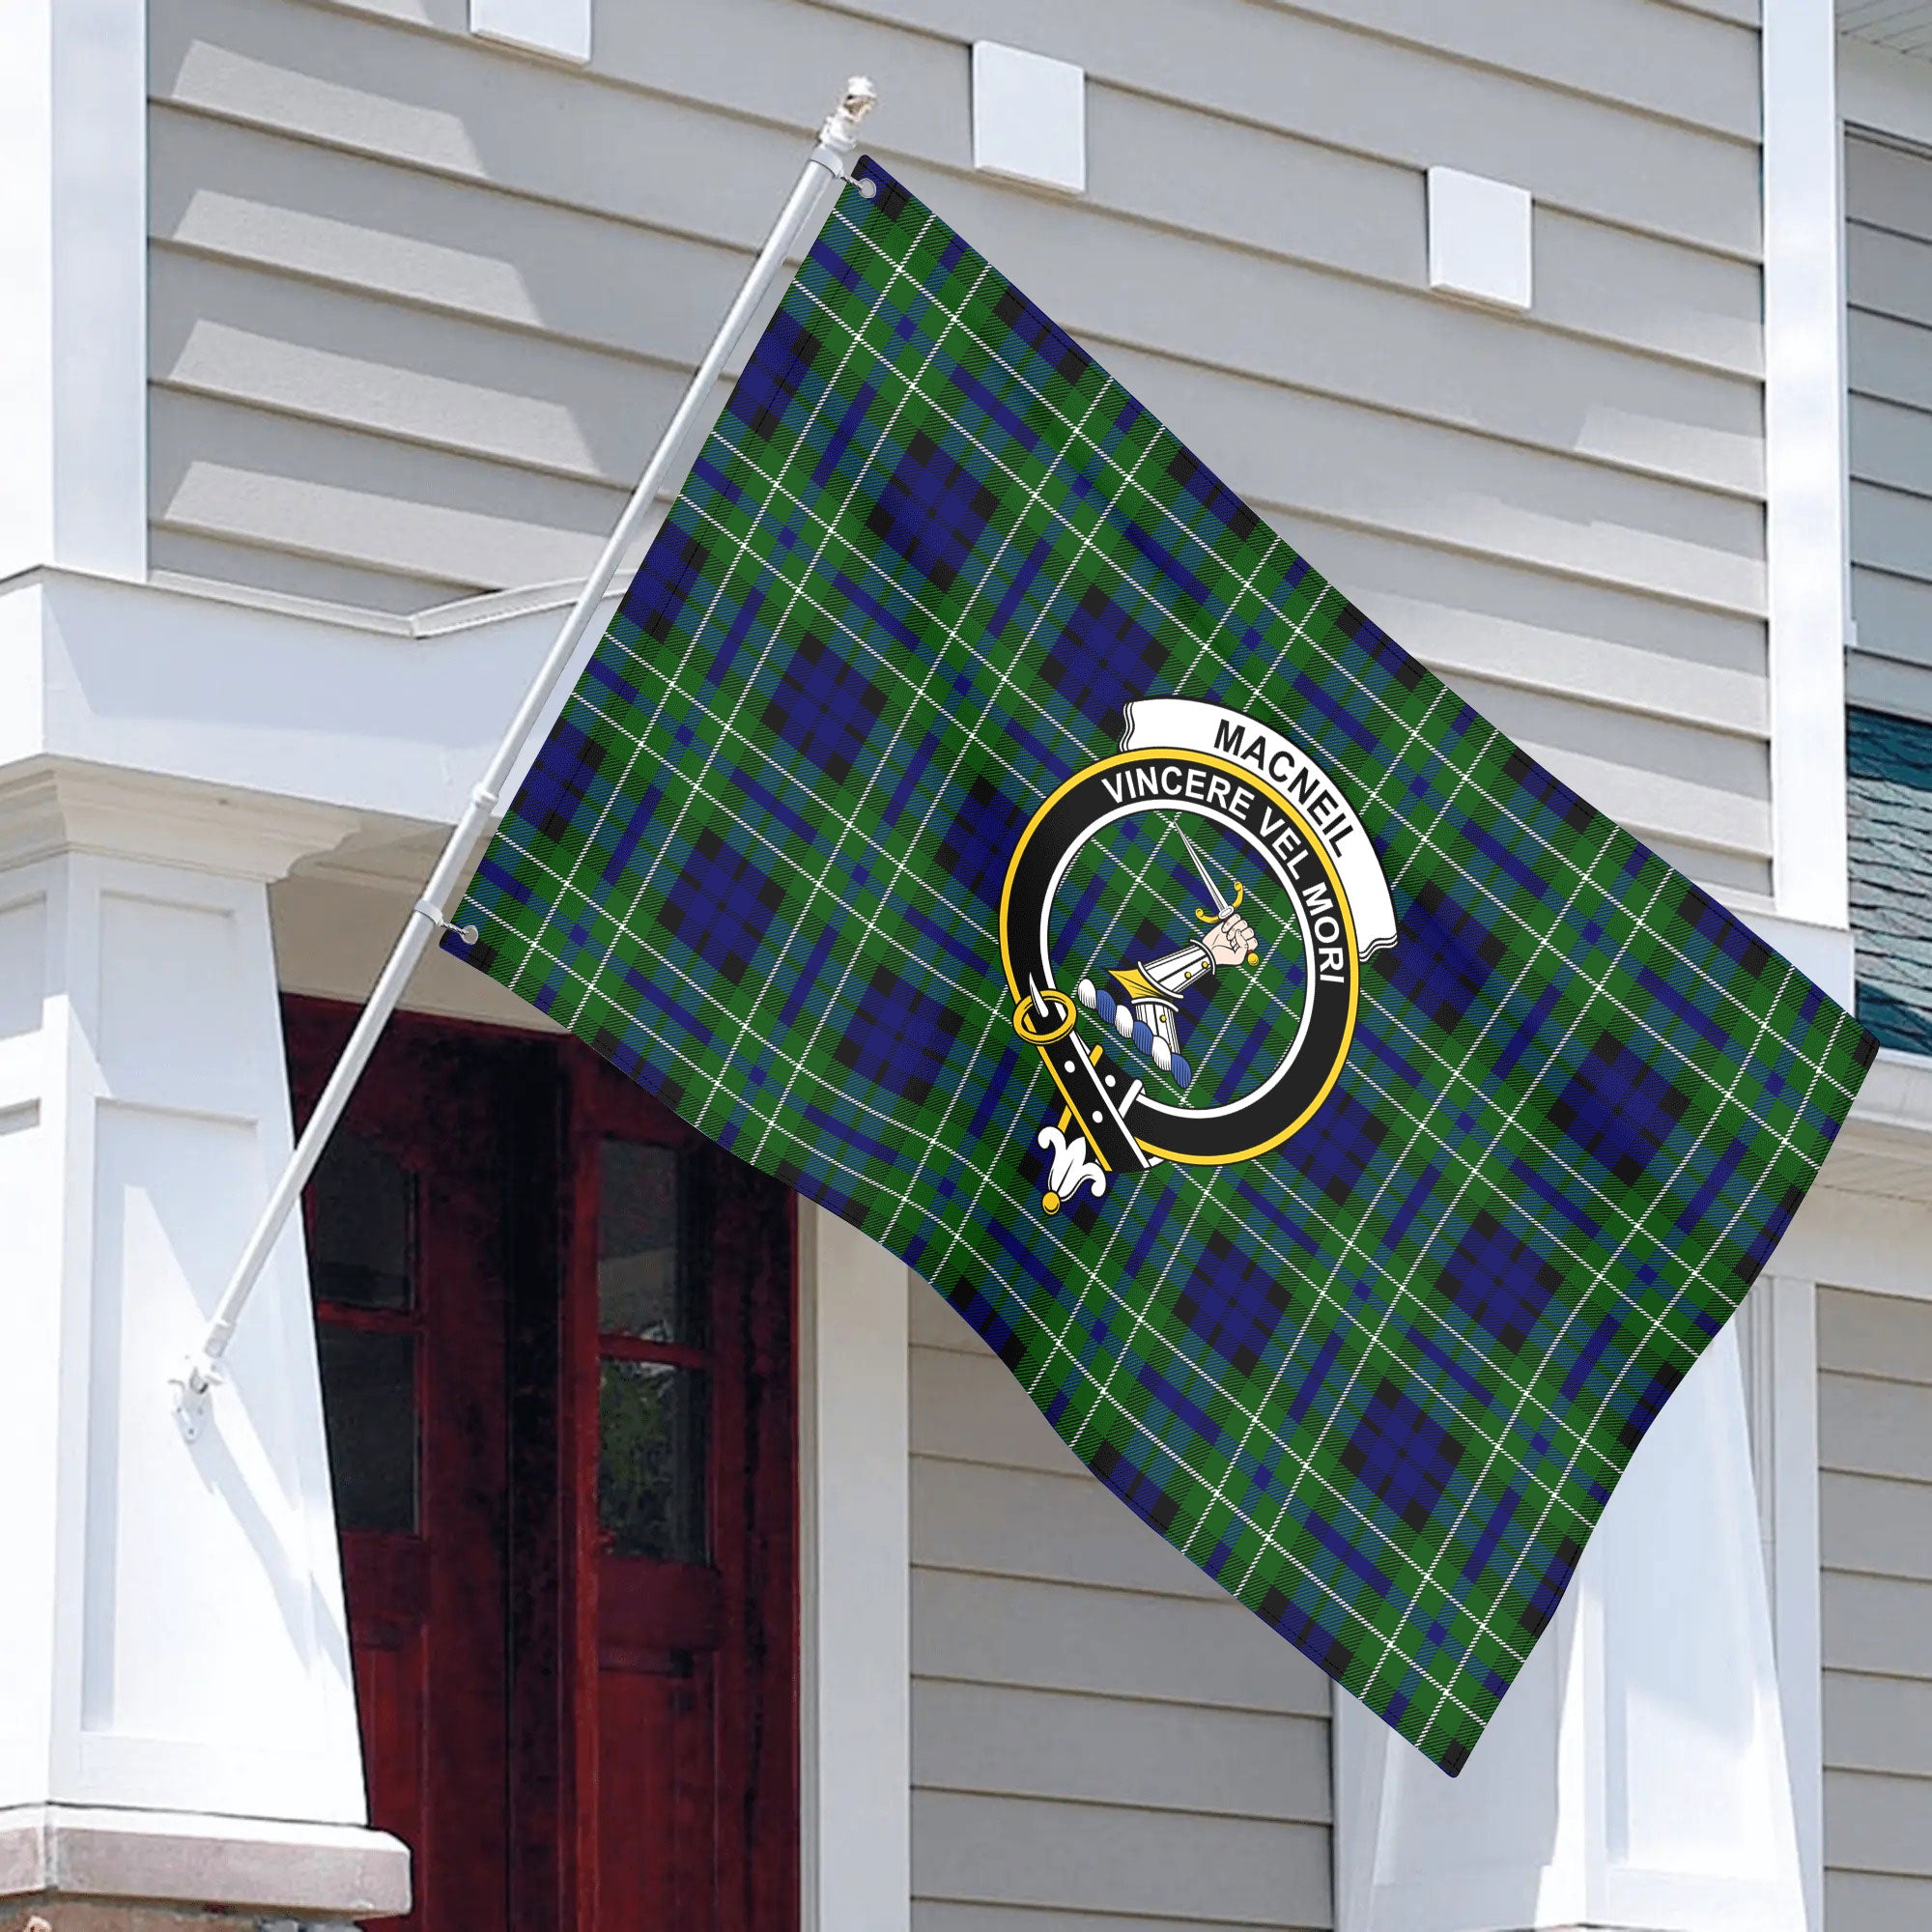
{"x": 1227, "y": 906}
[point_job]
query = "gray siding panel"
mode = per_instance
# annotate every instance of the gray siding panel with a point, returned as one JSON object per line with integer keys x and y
{"x": 336, "y": 357}
{"x": 1109, "y": 1644}
{"x": 1880, "y": 1724}
{"x": 1885, "y": 187}
{"x": 1058, "y": 1528}
{"x": 1201, "y": 302}
{"x": 1891, "y": 531}
{"x": 1097, "y": 1728}
{"x": 950, "y": 1915}
{"x": 1889, "y": 348}
{"x": 1878, "y": 1428}
{"x": 428, "y": 243}
{"x": 1317, "y": 455}
{"x": 1519, "y": 626}
{"x": 1663, "y": 780}
{"x": 1878, "y": 1823}
{"x": 1361, "y": 215}
{"x": 1158, "y": 1867}
{"x": 1889, "y": 359}
{"x": 1890, "y": 274}
{"x": 1863, "y": 1335}
{"x": 1622, "y": 51}
{"x": 177, "y": 553}
{"x": 1878, "y": 1623}
{"x": 1877, "y": 1527}
{"x": 1875, "y": 1452}
{"x": 1680, "y": 67}
{"x": 1891, "y": 444}
{"x": 1329, "y": 81}
{"x": 966, "y": 1407}
{"x": 402, "y": 320}
{"x": 1233, "y": 1764}
{"x": 1742, "y": 13}
{"x": 372, "y": 501}
{"x": 1866, "y": 1902}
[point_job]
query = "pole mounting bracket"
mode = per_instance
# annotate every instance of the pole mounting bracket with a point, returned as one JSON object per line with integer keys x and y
{"x": 192, "y": 1386}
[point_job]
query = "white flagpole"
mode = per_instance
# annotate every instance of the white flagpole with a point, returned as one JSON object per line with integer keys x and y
{"x": 430, "y": 914}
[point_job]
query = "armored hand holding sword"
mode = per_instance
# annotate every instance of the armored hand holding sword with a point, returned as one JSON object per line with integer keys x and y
{"x": 1146, "y": 1009}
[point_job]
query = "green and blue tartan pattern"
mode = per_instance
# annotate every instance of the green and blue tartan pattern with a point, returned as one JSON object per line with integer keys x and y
{"x": 1380, "y": 1382}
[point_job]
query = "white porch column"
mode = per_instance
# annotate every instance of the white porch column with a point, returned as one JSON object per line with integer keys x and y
{"x": 1636, "y": 1774}
{"x": 1777, "y": 1340}
{"x": 854, "y": 1502}
{"x": 177, "y": 1717}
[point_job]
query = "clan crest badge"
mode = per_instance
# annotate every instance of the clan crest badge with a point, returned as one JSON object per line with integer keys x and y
{"x": 1182, "y": 928}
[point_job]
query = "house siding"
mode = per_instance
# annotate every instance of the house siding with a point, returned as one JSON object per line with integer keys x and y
{"x": 421, "y": 305}
{"x": 1888, "y": 369}
{"x": 1875, "y": 1474}
{"x": 1100, "y": 1737}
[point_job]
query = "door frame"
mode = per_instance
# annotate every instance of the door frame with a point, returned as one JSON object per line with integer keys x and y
{"x": 550, "y": 1599}
{"x": 855, "y": 1472}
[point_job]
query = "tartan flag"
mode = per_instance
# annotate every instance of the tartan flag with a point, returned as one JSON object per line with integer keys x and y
{"x": 979, "y": 818}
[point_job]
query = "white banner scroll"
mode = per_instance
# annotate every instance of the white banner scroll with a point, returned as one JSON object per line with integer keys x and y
{"x": 1188, "y": 724}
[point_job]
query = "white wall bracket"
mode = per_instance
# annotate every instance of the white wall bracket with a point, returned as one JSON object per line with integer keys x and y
{"x": 1480, "y": 240}
{"x": 192, "y": 1387}
{"x": 1029, "y": 116}
{"x": 557, "y": 28}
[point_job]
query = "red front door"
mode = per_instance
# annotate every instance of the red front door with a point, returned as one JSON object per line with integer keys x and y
{"x": 554, "y": 1329}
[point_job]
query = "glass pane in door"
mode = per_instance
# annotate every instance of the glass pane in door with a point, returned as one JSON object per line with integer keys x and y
{"x": 363, "y": 1265}
{"x": 645, "y": 1269}
{"x": 653, "y": 1425}
{"x": 362, "y": 1228}
{"x": 369, "y": 1400}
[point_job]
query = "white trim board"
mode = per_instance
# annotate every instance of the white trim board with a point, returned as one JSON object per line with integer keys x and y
{"x": 1777, "y": 1340}
{"x": 855, "y": 1478}
{"x": 1859, "y": 1241}
{"x": 266, "y": 695}
{"x": 1806, "y": 491}
{"x": 74, "y": 296}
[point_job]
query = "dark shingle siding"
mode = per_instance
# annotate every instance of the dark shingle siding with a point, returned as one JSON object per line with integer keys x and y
{"x": 1889, "y": 783}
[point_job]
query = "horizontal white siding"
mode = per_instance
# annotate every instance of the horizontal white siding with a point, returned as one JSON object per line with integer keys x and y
{"x": 1888, "y": 353}
{"x": 1875, "y": 1455}
{"x": 1100, "y": 1737}
{"x": 421, "y": 305}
